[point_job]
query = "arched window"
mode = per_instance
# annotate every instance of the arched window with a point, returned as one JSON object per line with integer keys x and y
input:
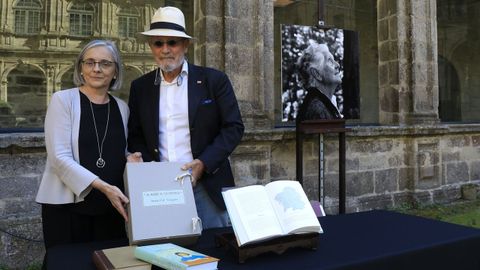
{"x": 27, "y": 96}
{"x": 27, "y": 16}
{"x": 130, "y": 75}
{"x": 81, "y": 19}
{"x": 128, "y": 22}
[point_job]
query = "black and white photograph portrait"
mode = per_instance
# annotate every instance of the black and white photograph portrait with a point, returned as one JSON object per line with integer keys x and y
{"x": 319, "y": 73}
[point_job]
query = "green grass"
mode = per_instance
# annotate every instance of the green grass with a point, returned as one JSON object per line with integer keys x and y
{"x": 34, "y": 266}
{"x": 465, "y": 213}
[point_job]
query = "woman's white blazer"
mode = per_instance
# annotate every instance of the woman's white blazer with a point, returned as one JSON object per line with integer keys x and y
{"x": 64, "y": 179}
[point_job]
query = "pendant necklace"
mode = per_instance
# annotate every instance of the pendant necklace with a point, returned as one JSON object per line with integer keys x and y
{"x": 100, "y": 161}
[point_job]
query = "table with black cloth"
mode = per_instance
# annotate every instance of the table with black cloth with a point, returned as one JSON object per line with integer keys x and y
{"x": 375, "y": 239}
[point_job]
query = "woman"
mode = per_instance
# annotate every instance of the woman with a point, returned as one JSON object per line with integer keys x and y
{"x": 85, "y": 136}
{"x": 320, "y": 75}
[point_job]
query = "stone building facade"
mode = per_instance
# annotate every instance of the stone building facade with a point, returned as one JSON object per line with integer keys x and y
{"x": 408, "y": 156}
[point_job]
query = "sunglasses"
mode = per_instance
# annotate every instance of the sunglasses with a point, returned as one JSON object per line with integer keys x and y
{"x": 170, "y": 43}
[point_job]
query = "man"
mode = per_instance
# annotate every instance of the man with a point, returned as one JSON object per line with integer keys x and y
{"x": 321, "y": 76}
{"x": 183, "y": 112}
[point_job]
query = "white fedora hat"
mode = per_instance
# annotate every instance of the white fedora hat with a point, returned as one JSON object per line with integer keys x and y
{"x": 167, "y": 21}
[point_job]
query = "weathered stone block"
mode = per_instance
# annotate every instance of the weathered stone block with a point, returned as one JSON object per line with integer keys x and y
{"x": 311, "y": 167}
{"x": 331, "y": 188}
{"x": 457, "y": 172}
{"x": 213, "y": 8}
{"x": 243, "y": 64}
{"x": 19, "y": 207}
{"x": 332, "y": 165}
{"x": 360, "y": 183}
{"x": 393, "y": 73}
{"x": 469, "y": 192}
{"x": 374, "y": 202}
{"x": 440, "y": 196}
{"x": 22, "y": 164}
{"x": 396, "y": 161}
{"x": 382, "y": 30}
{"x": 422, "y": 197}
{"x": 476, "y": 141}
{"x": 426, "y": 172}
{"x": 475, "y": 170}
{"x": 406, "y": 179}
{"x": 383, "y": 74}
{"x": 450, "y": 156}
{"x": 283, "y": 161}
{"x": 351, "y": 163}
{"x": 389, "y": 100}
{"x": 393, "y": 28}
{"x": 241, "y": 9}
{"x": 213, "y": 36}
{"x": 20, "y": 186}
{"x": 404, "y": 199}
{"x": 458, "y": 141}
{"x": 373, "y": 162}
{"x": 310, "y": 186}
{"x": 240, "y": 35}
{"x": 386, "y": 181}
{"x": 391, "y": 7}
{"x": 251, "y": 165}
{"x": 23, "y": 245}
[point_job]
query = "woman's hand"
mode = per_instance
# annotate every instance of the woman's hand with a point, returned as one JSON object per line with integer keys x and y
{"x": 114, "y": 194}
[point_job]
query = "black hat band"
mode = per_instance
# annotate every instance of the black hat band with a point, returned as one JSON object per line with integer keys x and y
{"x": 167, "y": 25}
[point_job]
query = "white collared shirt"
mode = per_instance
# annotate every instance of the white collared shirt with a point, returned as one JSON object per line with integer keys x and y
{"x": 174, "y": 129}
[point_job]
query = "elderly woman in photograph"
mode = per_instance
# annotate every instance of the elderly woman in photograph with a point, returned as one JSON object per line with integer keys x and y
{"x": 320, "y": 76}
{"x": 81, "y": 191}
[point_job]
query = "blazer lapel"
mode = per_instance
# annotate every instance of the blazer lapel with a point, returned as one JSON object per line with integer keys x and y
{"x": 196, "y": 91}
{"x": 153, "y": 104}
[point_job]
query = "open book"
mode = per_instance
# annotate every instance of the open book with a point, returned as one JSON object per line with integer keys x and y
{"x": 260, "y": 212}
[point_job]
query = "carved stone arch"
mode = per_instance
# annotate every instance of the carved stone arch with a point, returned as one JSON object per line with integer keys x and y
{"x": 27, "y": 94}
{"x": 131, "y": 72}
{"x": 72, "y": 3}
{"x": 60, "y": 79}
{"x": 465, "y": 58}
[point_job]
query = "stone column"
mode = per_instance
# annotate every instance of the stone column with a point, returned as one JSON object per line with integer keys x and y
{"x": 408, "y": 74}
{"x": 237, "y": 37}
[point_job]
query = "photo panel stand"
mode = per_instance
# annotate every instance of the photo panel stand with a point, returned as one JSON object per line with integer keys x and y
{"x": 321, "y": 127}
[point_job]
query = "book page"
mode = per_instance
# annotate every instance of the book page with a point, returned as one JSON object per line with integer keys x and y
{"x": 292, "y": 207}
{"x": 251, "y": 213}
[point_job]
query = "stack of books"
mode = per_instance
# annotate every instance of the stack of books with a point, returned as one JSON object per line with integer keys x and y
{"x": 173, "y": 257}
{"x": 168, "y": 256}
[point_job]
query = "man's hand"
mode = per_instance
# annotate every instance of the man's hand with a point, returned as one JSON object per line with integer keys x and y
{"x": 135, "y": 157}
{"x": 196, "y": 168}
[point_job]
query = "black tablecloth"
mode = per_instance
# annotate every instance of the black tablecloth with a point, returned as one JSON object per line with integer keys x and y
{"x": 367, "y": 240}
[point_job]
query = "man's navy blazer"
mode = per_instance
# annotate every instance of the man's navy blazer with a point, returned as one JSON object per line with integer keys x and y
{"x": 216, "y": 126}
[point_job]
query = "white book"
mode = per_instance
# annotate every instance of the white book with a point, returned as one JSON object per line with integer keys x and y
{"x": 261, "y": 212}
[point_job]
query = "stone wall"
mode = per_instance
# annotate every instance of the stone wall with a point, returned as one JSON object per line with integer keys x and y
{"x": 22, "y": 160}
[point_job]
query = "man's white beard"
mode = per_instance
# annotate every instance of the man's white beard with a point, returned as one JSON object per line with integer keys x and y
{"x": 171, "y": 67}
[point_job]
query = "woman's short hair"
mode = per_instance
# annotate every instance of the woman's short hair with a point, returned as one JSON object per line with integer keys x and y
{"x": 307, "y": 62}
{"x": 115, "y": 84}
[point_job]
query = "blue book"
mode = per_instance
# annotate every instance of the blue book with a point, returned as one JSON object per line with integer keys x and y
{"x": 173, "y": 257}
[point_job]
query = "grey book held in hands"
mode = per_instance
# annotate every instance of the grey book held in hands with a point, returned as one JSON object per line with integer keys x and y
{"x": 263, "y": 212}
{"x": 162, "y": 206}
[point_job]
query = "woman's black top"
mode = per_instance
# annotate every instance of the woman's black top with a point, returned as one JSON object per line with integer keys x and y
{"x": 96, "y": 203}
